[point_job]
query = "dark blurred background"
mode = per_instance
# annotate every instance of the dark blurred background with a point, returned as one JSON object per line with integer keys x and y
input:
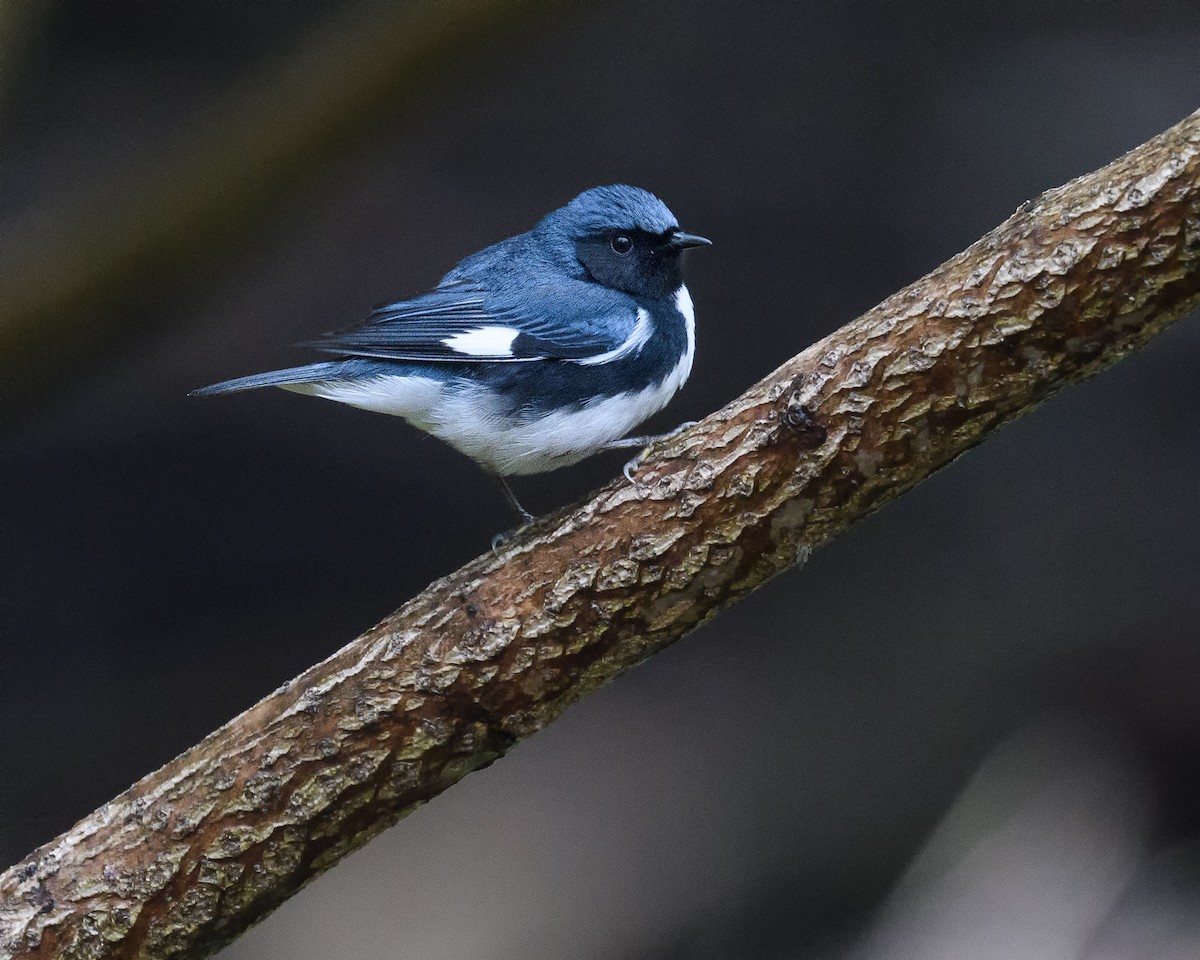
{"x": 970, "y": 727}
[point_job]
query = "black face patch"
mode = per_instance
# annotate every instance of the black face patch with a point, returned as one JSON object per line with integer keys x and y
{"x": 633, "y": 261}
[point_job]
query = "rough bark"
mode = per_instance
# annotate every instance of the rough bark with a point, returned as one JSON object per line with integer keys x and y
{"x": 191, "y": 855}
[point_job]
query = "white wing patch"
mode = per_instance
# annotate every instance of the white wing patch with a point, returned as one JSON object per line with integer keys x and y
{"x": 638, "y": 336}
{"x": 484, "y": 342}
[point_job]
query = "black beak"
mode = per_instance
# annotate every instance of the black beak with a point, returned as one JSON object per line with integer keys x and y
{"x": 681, "y": 241}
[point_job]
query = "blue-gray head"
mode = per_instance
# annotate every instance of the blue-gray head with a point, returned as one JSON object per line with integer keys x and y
{"x": 620, "y": 237}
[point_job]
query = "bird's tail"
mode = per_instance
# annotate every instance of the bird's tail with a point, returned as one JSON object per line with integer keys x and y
{"x": 310, "y": 373}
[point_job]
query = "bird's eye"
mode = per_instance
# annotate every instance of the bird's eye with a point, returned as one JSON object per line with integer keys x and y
{"x": 621, "y": 244}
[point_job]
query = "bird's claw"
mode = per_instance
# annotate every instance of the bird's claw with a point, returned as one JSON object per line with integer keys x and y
{"x": 505, "y": 537}
{"x": 632, "y": 465}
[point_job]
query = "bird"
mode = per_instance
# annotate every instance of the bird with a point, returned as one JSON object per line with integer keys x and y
{"x": 532, "y": 353}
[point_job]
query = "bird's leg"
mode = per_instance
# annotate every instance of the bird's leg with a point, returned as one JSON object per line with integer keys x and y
{"x": 501, "y": 538}
{"x": 643, "y": 442}
{"x": 625, "y": 442}
{"x": 511, "y": 497}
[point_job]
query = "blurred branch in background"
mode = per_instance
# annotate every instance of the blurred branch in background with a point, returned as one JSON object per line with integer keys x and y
{"x": 20, "y": 21}
{"x": 1047, "y": 853}
{"x": 67, "y": 267}
{"x": 194, "y": 853}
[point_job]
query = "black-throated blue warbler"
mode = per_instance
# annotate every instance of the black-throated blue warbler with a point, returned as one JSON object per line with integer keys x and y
{"x": 532, "y": 353}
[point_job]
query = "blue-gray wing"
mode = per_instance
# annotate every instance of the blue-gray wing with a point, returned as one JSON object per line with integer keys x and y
{"x": 461, "y": 321}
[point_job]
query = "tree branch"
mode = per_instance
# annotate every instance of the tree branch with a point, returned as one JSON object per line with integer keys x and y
{"x": 190, "y": 856}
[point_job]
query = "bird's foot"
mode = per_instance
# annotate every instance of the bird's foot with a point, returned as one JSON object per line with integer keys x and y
{"x": 630, "y": 468}
{"x": 505, "y": 537}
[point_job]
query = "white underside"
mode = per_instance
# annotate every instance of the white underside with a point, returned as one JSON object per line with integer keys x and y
{"x": 466, "y": 419}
